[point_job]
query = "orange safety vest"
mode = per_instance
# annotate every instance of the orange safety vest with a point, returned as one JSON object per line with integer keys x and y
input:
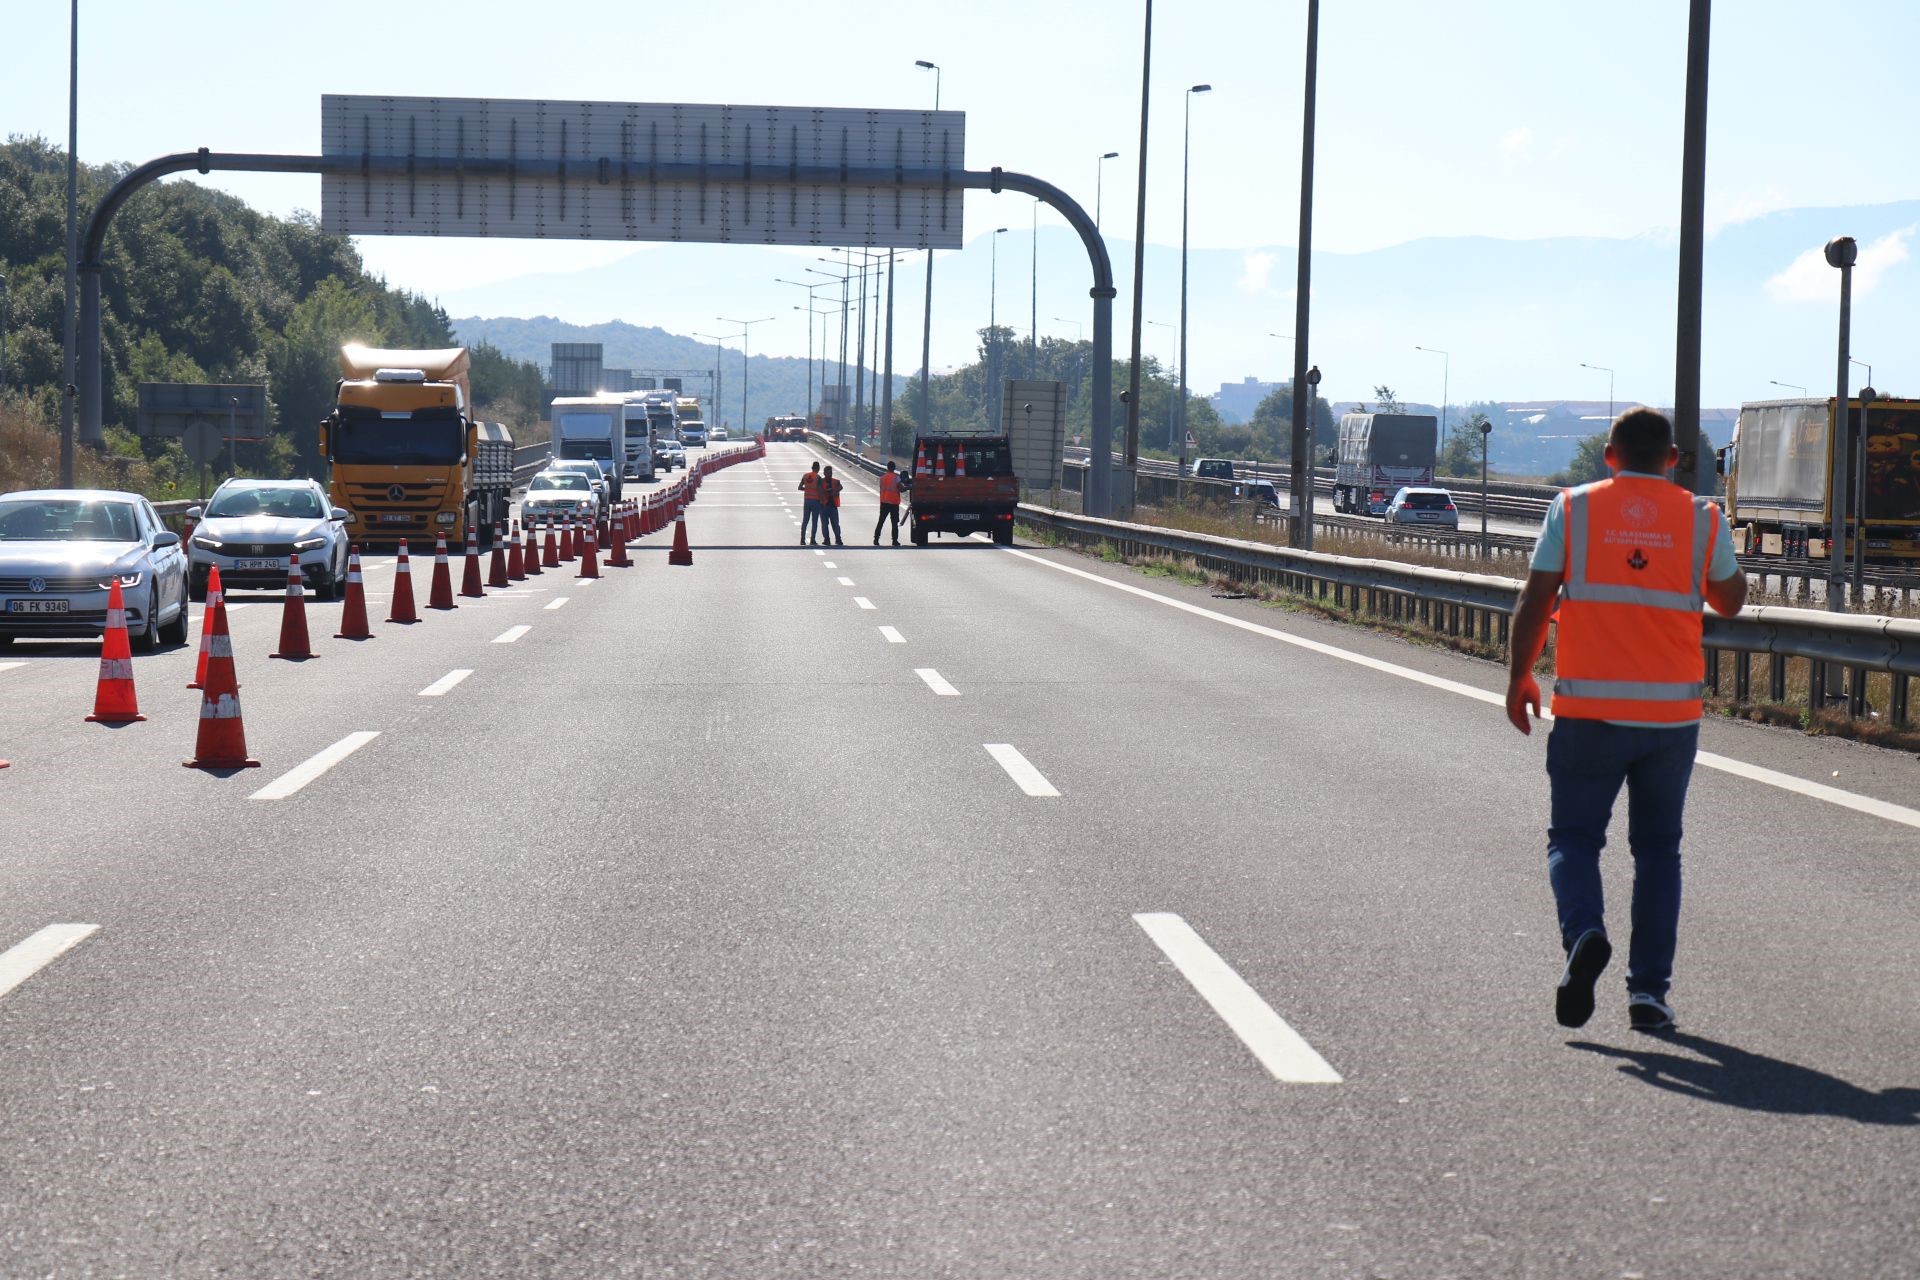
{"x": 810, "y": 486}
{"x": 830, "y": 492}
{"x": 1630, "y": 624}
{"x": 890, "y": 489}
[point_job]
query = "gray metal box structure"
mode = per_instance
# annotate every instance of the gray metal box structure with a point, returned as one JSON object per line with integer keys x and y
{"x": 1035, "y": 412}
{"x": 594, "y": 171}
{"x": 577, "y": 368}
{"x": 169, "y": 408}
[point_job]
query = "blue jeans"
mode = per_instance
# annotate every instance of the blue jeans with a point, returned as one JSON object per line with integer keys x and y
{"x": 809, "y": 518}
{"x": 829, "y": 519}
{"x": 1587, "y": 760}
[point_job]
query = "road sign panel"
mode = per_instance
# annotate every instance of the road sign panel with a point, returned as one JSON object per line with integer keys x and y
{"x": 169, "y": 408}
{"x": 637, "y": 171}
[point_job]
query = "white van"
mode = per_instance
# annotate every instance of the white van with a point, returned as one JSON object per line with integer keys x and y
{"x": 591, "y": 427}
{"x": 638, "y": 462}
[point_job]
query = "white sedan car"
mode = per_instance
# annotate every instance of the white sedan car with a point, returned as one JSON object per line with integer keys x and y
{"x": 61, "y": 551}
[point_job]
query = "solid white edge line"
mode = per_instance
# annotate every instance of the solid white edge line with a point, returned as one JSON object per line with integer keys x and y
{"x": 863, "y": 602}
{"x": 1280, "y": 1049}
{"x": 446, "y": 682}
{"x": 8, "y": 666}
{"x": 511, "y": 634}
{"x": 936, "y": 682}
{"x": 557, "y": 601}
{"x": 892, "y": 636}
{"x": 1020, "y": 769}
{"x": 301, "y": 774}
{"x": 1739, "y": 768}
{"x": 38, "y": 950}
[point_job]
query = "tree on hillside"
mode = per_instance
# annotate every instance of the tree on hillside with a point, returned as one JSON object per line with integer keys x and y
{"x": 1389, "y": 402}
{"x": 1460, "y": 455}
{"x": 1589, "y": 462}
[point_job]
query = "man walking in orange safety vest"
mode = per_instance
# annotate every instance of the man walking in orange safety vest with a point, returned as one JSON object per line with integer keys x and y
{"x": 811, "y": 523}
{"x": 830, "y": 507}
{"x": 1630, "y": 558}
{"x": 889, "y": 504}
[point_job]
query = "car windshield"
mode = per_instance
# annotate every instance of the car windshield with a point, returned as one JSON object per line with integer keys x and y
{"x": 564, "y": 480}
{"x": 66, "y": 520}
{"x": 298, "y": 504}
{"x": 1427, "y": 501}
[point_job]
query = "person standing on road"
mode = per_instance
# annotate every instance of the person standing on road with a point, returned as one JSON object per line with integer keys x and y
{"x": 830, "y": 506}
{"x": 889, "y": 504}
{"x": 811, "y": 524}
{"x": 1630, "y": 558}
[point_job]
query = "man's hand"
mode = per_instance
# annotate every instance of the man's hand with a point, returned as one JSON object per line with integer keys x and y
{"x": 1523, "y": 695}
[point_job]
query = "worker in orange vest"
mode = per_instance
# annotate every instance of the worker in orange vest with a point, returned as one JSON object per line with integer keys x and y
{"x": 811, "y": 524}
{"x": 889, "y": 504}
{"x": 1630, "y": 560}
{"x": 830, "y": 507}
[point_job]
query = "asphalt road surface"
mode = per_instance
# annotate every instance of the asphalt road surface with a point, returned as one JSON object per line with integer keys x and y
{"x": 912, "y": 913}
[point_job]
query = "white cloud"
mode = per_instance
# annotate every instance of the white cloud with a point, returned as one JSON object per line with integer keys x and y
{"x": 1726, "y": 210}
{"x": 1256, "y": 270}
{"x": 1517, "y": 141}
{"x": 1808, "y": 278}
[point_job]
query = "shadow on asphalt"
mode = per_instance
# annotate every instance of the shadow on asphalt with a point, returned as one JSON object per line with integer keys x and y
{"x": 1755, "y": 1082}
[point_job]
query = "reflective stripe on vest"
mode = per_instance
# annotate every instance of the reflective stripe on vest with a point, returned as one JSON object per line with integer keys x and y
{"x": 1627, "y": 652}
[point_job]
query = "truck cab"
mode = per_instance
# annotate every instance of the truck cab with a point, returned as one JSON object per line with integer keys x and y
{"x": 962, "y": 485}
{"x": 640, "y": 459}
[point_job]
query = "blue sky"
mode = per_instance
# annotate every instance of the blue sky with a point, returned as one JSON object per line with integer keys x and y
{"x": 1503, "y": 118}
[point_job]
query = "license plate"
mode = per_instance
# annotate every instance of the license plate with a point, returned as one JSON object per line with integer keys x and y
{"x": 256, "y": 566}
{"x": 39, "y": 606}
{"x": 395, "y": 517}
{"x": 971, "y": 515}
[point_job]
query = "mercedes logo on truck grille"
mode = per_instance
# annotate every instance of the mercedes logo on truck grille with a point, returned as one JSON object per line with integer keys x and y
{"x": 395, "y": 492}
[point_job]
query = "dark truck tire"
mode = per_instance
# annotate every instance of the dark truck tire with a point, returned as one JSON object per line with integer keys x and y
{"x": 918, "y": 535}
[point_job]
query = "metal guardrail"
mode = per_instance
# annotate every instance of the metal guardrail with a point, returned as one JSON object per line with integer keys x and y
{"x": 1471, "y": 604}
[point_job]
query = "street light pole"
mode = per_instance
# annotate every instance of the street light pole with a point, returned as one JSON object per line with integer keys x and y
{"x": 926, "y": 322}
{"x": 1033, "y": 318}
{"x": 993, "y": 324}
{"x": 1867, "y": 396}
{"x": 1132, "y": 452}
{"x": 1486, "y": 444}
{"x": 1693, "y": 217}
{"x": 1099, "y": 181}
{"x": 1841, "y": 251}
{"x": 1446, "y": 371}
{"x": 1600, "y": 368}
{"x": 1186, "y": 164}
{"x": 1301, "y": 476}
{"x": 72, "y": 331}
{"x": 1793, "y": 386}
{"x": 746, "y": 339}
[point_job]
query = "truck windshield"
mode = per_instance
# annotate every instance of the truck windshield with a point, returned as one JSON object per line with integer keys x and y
{"x": 423, "y": 438}
{"x": 586, "y": 448}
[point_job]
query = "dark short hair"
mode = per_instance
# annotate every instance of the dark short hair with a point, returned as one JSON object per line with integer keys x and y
{"x": 1642, "y": 438}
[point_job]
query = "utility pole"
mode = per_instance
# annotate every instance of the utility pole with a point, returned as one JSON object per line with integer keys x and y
{"x": 67, "y": 387}
{"x": 1842, "y": 252}
{"x": 1131, "y": 466}
{"x": 1693, "y": 218}
{"x": 926, "y": 322}
{"x": 1301, "y": 477}
{"x": 886, "y": 386}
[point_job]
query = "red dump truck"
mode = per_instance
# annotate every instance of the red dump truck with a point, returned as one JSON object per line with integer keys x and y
{"x": 963, "y": 485}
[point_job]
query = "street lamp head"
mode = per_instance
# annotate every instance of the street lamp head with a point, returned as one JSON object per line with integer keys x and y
{"x": 998, "y": 230}
{"x": 1842, "y": 251}
{"x": 924, "y": 65}
{"x": 1111, "y": 155}
{"x": 1868, "y": 395}
{"x": 1201, "y": 88}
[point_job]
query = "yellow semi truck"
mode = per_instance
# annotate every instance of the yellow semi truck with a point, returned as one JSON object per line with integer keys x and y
{"x": 1779, "y": 472}
{"x": 407, "y": 457}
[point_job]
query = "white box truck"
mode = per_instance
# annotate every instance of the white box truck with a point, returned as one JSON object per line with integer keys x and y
{"x": 591, "y": 427}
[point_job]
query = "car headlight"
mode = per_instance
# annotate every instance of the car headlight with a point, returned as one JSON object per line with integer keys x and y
{"x": 207, "y": 544}
{"x": 308, "y": 544}
{"x": 126, "y": 580}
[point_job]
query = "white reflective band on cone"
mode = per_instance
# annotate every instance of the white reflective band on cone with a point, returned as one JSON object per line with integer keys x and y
{"x": 116, "y": 668}
{"x": 227, "y": 707}
{"x": 220, "y": 646}
{"x": 116, "y": 617}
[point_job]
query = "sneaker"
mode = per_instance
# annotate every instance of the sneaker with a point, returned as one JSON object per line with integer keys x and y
{"x": 1586, "y": 960}
{"x": 1648, "y": 1013}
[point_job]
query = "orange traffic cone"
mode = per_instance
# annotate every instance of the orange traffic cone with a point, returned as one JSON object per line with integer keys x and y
{"x": 617, "y": 557}
{"x": 402, "y": 610}
{"x": 920, "y": 458}
{"x": 550, "y": 550}
{"x": 470, "y": 577}
{"x": 353, "y": 618}
{"x": 294, "y": 644}
{"x": 959, "y": 462}
{"x": 516, "y": 567}
{"x": 681, "y": 553}
{"x": 589, "y": 562}
{"x": 113, "y": 700}
{"x": 215, "y": 594}
{"x": 939, "y": 460}
{"x": 497, "y": 561}
{"x": 440, "y": 596}
{"x": 530, "y": 559}
{"x": 222, "y": 740}
{"x": 569, "y": 546}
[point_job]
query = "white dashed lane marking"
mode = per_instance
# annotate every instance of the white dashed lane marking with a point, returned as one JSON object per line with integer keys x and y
{"x": 38, "y": 950}
{"x": 892, "y": 636}
{"x": 511, "y": 634}
{"x": 557, "y": 601}
{"x": 936, "y": 682}
{"x": 1028, "y": 778}
{"x": 845, "y": 582}
{"x": 300, "y": 775}
{"x": 1280, "y": 1048}
{"x": 864, "y": 603}
{"x": 446, "y": 682}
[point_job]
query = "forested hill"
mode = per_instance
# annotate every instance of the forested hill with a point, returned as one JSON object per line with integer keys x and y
{"x": 199, "y": 288}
